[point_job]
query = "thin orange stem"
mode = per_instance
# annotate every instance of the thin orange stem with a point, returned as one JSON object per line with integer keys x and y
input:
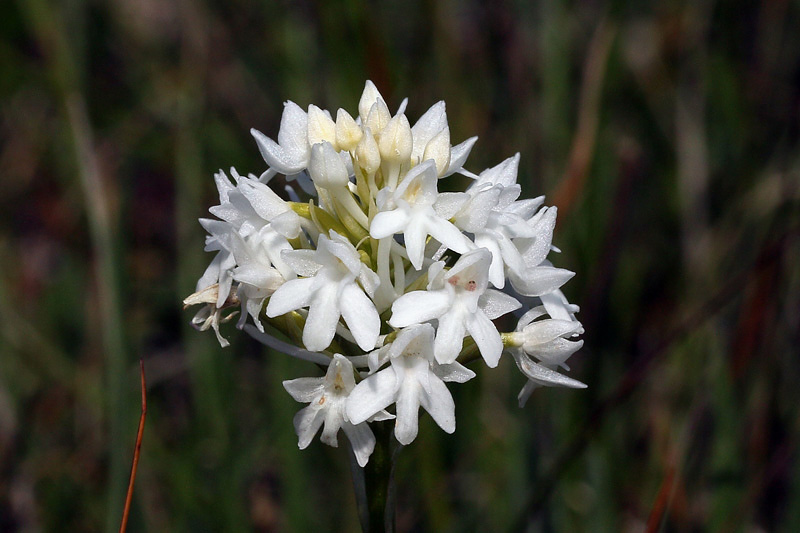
{"x": 123, "y": 526}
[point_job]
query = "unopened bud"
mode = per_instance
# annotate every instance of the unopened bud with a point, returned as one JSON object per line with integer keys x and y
{"x": 378, "y": 117}
{"x": 368, "y": 99}
{"x": 438, "y": 149}
{"x": 348, "y": 133}
{"x": 326, "y": 167}
{"x": 396, "y": 141}
{"x": 367, "y": 153}
{"x": 320, "y": 127}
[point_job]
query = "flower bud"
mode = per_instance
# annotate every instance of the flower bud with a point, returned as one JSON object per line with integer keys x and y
{"x": 348, "y": 133}
{"x": 438, "y": 149}
{"x": 368, "y": 99}
{"x": 326, "y": 168}
{"x": 320, "y": 127}
{"x": 395, "y": 141}
{"x": 378, "y": 117}
{"x": 367, "y": 153}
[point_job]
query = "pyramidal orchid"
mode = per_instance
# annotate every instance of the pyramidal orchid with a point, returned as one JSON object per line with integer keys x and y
{"x": 370, "y": 270}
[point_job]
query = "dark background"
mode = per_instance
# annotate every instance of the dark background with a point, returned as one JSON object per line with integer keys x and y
{"x": 665, "y": 132}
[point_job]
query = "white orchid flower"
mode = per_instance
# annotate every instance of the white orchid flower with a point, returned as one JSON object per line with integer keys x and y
{"x": 462, "y": 303}
{"x": 416, "y": 209}
{"x": 326, "y": 398}
{"x": 413, "y": 380}
{"x": 329, "y": 289}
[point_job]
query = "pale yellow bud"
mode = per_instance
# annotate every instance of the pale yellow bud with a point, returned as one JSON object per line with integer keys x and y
{"x": 438, "y": 149}
{"x": 368, "y": 99}
{"x": 396, "y": 141}
{"x": 326, "y": 167}
{"x": 348, "y": 133}
{"x": 378, "y": 117}
{"x": 320, "y": 127}
{"x": 367, "y": 153}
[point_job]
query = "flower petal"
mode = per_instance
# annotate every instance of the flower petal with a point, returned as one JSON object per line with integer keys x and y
{"x": 388, "y": 223}
{"x": 307, "y": 422}
{"x": 419, "y": 306}
{"x": 302, "y": 262}
{"x": 545, "y": 376}
{"x": 361, "y": 439}
{"x": 449, "y": 336}
{"x": 540, "y": 280}
{"x": 305, "y": 390}
{"x": 323, "y": 314}
{"x": 486, "y": 337}
{"x": 439, "y": 403}
{"x": 292, "y": 295}
{"x": 495, "y": 303}
{"x": 361, "y": 317}
{"x": 407, "y": 423}
{"x": 454, "y": 372}
{"x": 372, "y": 395}
{"x": 459, "y": 155}
{"x": 446, "y": 233}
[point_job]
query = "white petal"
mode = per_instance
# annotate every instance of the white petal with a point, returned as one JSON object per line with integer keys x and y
{"x": 504, "y": 174}
{"x": 540, "y": 280}
{"x": 287, "y": 224}
{"x": 371, "y": 396}
{"x": 544, "y": 376}
{"x": 275, "y": 156}
{"x": 557, "y": 306}
{"x": 388, "y": 223}
{"x": 534, "y": 251}
{"x": 446, "y": 233}
{"x": 439, "y": 404}
{"x": 486, "y": 337}
{"x": 419, "y": 306}
{"x": 495, "y": 303}
{"x": 555, "y": 352}
{"x": 293, "y": 133}
{"x": 414, "y": 236}
{"x": 307, "y": 422}
{"x": 302, "y": 262}
{"x": 454, "y": 372}
{"x": 474, "y": 215}
{"x": 449, "y": 336}
{"x": 406, "y": 425}
{"x": 292, "y": 295}
{"x": 258, "y": 276}
{"x": 361, "y": 317}
{"x": 529, "y": 316}
{"x": 323, "y": 314}
{"x": 304, "y": 390}
{"x": 545, "y": 331}
{"x": 459, "y": 155}
{"x": 361, "y": 439}
{"x": 333, "y": 422}
{"x": 265, "y": 202}
{"x": 448, "y": 203}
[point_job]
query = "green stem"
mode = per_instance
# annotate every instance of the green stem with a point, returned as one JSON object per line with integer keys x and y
{"x": 379, "y": 481}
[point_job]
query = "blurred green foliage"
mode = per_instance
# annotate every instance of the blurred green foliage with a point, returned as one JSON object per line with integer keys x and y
{"x": 666, "y": 132}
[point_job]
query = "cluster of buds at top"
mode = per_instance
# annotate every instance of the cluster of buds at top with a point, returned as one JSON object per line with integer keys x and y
{"x": 377, "y": 275}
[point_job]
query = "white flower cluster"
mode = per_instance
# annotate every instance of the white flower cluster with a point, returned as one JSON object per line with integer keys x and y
{"x": 381, "y": 277}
